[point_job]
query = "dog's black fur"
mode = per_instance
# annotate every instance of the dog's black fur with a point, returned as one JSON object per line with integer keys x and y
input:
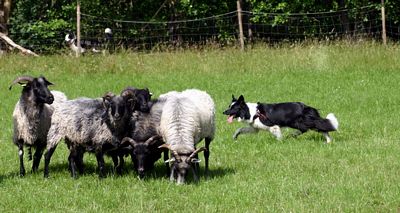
{"x": 294, "y": 115}
{"x": 245, "y": 112}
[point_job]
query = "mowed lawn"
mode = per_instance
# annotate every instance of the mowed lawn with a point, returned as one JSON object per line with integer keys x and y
{"x": 359, "y": 171}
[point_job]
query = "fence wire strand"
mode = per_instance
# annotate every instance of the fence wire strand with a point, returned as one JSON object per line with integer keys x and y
{"x": 223, "y": 29}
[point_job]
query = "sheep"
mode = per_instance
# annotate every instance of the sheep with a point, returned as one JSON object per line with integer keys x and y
{"x": 96, "y": 125}
{"x": 186, "y": 119}
{"x": 140, "y": 104}
{"x": 32, "y": 117}
{"x": 144, "y": 138}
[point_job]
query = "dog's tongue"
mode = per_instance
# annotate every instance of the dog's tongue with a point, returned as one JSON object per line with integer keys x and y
{"x": 230, "y": 119}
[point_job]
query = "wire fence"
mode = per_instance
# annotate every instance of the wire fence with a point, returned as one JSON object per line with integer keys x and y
{"x": 222, "y": 30}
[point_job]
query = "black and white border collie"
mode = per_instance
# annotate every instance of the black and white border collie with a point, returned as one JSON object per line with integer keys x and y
{"x": 298, "y": 116}
{"x": 92, "y": 45}
{"x": 245, "y": 112}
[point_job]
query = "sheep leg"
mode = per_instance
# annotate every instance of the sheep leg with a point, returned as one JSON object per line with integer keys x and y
{"x": 72, "y": 162}
{"x": 79, "y": 161}
{"x": 30, "y": 153}
{"x": 120, "y": 164}
{"x": 166, "y": 157}
{"x": 21, "y": 158}
{"x": 172, "y": 175}
{"x": 114, "y": 158}
{"x": 133, "y": 161}
{"x": 207, "y": 154}
{"x": 100, "y": 164}
{"x": 196, "y": 165}
{"x": 47, "y": 158}
{"x": 195, "y": 177}
{"x": 37, "y": 157}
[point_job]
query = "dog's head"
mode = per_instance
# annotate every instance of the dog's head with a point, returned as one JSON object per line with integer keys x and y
{"x": 237, "y": 109}
{"x": 70, "y": 37}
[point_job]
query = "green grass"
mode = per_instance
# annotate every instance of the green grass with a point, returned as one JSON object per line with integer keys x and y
{"x": 359, "y": 171}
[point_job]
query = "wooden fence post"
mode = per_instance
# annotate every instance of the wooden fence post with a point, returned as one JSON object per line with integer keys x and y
{"x": 78, "y": 27}
{"x": 241, "y": 36}
{"x": 383, "y": 22}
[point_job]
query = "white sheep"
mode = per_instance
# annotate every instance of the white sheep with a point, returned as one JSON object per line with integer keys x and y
{"x": 187, "y": 118}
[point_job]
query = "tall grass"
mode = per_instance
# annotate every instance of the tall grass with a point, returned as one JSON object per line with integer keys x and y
{"x": 359, "y": 171}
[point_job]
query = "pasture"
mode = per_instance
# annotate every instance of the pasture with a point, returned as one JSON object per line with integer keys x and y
{"x": 359, "y": 171}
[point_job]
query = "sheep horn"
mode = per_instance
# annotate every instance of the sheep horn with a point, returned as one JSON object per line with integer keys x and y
{"x": 166, "y": 146}
{"x": 21, "y": 79}
{"x": 173, "y": 152}
{"x": 196, "y": 151}
{"x": 128, "y": 92}
{"x": 107, "y": 98}
{"x": 128, "y": 140}
{"x": 108, "y": 95}
{"x": 152, "y": 140}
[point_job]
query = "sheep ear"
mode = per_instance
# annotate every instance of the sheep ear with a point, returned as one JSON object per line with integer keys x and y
{"x": 170, "y": 160}
{"x": 47, "y": 82}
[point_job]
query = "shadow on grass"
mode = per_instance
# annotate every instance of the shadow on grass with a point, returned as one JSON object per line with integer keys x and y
{"x": 160, "y": 171}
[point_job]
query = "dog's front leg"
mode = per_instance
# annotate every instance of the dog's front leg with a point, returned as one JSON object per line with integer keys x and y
{"x": 244, "y": 130}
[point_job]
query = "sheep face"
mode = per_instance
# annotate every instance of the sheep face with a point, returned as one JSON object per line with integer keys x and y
{"x": 35, "y": 89}
{"x": 143, "y": 97}
{"x": 181, "y": 167}
{"x": 182, "y": 163}
{"x": 117, "y": 107}
{"x": 145, "y": 153}
{"x": 39, "y": 87}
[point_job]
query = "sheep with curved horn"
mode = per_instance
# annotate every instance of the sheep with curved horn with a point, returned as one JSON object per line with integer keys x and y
{"x": 144, "y": 153}
{"x": 187, "y": 118}
{"x": 32, "y": 117}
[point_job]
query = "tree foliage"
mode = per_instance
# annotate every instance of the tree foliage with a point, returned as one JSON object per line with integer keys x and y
{"x": 34, "y": 22}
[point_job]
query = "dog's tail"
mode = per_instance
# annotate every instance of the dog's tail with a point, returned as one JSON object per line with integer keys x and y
{"x": 334, "y": 121}
{"x": 328, "y": 124}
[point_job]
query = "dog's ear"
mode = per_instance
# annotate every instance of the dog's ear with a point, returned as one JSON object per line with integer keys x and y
{"x": 233, "y": 98}
{"x": 241, "y": 98}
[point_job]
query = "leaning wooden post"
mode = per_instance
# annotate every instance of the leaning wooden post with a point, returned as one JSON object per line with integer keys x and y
{"x": 241, "y": 36}
{"x": 383, "y": 22}
{"x": 78, "y": 27}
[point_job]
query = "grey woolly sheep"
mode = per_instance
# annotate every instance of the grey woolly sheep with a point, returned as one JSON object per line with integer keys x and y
{"x": 96, "y": 125}
{"x": 32, "y": 117}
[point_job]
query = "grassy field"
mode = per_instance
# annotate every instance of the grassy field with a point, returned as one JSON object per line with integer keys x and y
{"x": 358, "y": 172}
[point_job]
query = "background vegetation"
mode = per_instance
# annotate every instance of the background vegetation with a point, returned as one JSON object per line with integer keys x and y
{"x": 42, "y": 25}
{"x": 358, "y": 172}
